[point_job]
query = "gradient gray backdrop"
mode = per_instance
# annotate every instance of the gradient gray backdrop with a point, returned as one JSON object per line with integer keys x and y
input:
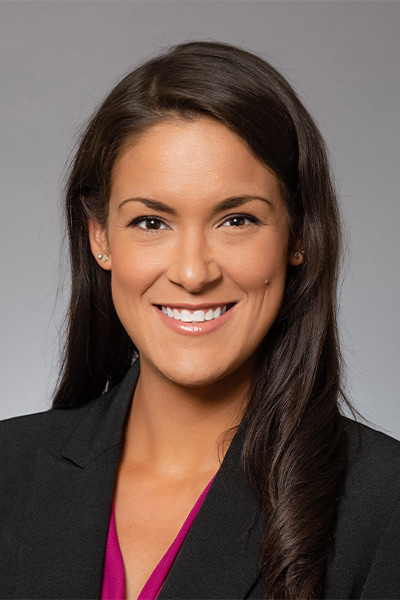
{"x": 58, "y": 59}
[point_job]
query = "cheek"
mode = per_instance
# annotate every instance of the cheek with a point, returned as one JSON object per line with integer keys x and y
{"x": 263, "y": 261}
{"x": 134, "y": 270}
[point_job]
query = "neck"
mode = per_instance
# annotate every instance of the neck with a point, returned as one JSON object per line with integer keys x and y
{"x": 177, "y": 430}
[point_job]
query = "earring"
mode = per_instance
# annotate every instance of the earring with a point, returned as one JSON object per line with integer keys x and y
{"x": 298, "y": 254}
{"x": 105, "y": 258}
{"x": 99, "y": 256}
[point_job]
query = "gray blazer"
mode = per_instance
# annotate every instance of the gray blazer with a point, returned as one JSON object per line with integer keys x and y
{"x": 57, "y": 472}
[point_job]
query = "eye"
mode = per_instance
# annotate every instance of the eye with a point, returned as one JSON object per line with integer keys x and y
{"x": 239, "y": 221}
{"x": 148, "y": 223}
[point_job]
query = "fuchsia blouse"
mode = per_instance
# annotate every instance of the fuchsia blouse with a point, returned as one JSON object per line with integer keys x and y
{"x": 113, "y": 585}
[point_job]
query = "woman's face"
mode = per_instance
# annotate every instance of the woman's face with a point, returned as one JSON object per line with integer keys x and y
{"x": 197, "y": 239}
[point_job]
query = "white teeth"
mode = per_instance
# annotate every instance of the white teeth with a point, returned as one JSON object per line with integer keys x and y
{"x": 186, "y": 316}
{"x": 198, "y": 316}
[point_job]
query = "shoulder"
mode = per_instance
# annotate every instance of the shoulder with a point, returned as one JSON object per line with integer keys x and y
{"x": 20, "y": 439}
{"x": 371, "y": 489}
{"x": 49, "y": 428}
{"x": 96, "y": 422}
{"x": 367, "y": 537}
{"x": 23, "y": 440}
{"x": 373, "y": 460}
{"x": 52, "y": 428}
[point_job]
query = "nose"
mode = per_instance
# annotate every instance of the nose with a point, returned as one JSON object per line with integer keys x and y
{"x": 193, "y": 266}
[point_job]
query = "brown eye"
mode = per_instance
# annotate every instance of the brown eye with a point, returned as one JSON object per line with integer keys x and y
{"x": 239, "y": 221}
{"x": 152, "y": 224}
{"x": 149, "y": 223}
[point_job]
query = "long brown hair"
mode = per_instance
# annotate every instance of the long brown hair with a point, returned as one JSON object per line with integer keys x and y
{"x": 293, "y": 450}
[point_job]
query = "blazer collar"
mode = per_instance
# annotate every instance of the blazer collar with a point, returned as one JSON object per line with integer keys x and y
{"x": 102, "y": 425}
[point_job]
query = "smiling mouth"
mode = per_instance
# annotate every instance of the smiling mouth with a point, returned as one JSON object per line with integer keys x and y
{"x": 197, "y": 315}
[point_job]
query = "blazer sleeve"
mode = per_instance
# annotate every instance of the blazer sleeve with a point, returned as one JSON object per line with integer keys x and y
{"x": 383, "y": 579}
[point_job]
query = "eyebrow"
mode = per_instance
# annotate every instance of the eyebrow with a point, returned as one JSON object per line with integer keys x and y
{"x": 232, "y": 202}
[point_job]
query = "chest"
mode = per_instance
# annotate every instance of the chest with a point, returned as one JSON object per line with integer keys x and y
{"x": 149, "y": 515}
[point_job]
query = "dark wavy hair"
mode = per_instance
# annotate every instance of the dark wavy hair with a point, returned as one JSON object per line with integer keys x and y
{"x": 293, "y": 453}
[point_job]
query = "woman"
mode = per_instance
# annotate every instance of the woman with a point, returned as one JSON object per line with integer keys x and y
{"x": 204, "y": 241}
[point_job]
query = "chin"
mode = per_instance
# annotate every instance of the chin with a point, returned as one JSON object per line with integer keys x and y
{"x": 193, "y": 378}
{"x": 196, "y": 373}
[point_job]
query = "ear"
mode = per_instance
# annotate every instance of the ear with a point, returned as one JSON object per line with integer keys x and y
{"x": 99, "y": 244}
{"x": 296, "y": 252}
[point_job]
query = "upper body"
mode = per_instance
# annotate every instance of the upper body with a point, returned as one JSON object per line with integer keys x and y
{"x": 204, "y": 237}
{"x": 57, "y": 481}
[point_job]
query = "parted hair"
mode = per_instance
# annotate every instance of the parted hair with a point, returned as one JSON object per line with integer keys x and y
{"x": 293, "y": 452}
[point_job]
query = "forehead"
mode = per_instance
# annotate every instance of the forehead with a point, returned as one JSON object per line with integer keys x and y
{"x": 191, "y": 157}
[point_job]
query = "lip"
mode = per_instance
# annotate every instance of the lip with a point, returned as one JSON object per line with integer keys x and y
{"x": 194, "y": 329}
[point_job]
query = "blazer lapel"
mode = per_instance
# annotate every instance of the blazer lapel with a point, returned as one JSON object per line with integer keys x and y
{"x": 68, "y": 509}
{"x": 218, "y": 559}
{"x": 63, "y": 550}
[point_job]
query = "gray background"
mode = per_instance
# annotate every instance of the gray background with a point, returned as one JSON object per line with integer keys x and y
{"x": 58, "y": 59}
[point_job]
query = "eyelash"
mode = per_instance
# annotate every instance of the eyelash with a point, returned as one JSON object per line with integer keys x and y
{"x": 136, "y": 222}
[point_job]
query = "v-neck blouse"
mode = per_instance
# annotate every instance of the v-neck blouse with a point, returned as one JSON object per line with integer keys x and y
{"x": 113, "y": 584}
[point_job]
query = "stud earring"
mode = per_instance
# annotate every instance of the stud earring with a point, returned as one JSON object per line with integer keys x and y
{"x": 99, "y": 256}
{"x": 105, "y": 258}
{"x": 298, "y": 254}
